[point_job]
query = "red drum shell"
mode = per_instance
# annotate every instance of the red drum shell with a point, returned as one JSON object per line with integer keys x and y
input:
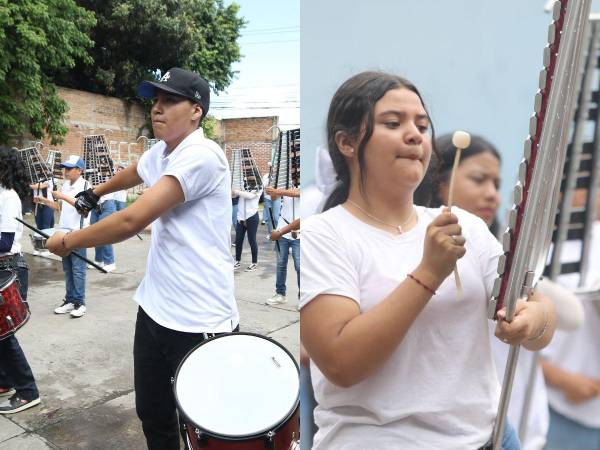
{"x": 14, "y": 312}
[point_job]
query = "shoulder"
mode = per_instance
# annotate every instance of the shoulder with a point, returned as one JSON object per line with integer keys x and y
{"x": 328, "y": 222}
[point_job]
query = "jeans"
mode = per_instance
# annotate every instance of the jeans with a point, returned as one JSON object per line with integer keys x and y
{"x": 157, "y": 353}
{"x": 44, "y": 217}
{"x": 566, "y": 434}
{"x": 75, "y": 270}
{"x": 510, "y": 440}
{"x": 104, "y": 253}
{"x": 307, "y": 406}
{"x": 271, "y": 210}
{"x": 251, "y": 225}
{"x": 119, "y": 205}
{"x": 234, "y": 210}
{"x": 282, "y": 261}
{"x": 14, "y": 369}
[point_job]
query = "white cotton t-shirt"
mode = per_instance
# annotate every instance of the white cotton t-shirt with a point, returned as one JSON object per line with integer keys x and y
{"x": 188, "y": 284}
{"x": 70, "y": 219}
{"x": 577, "y": 351}
{"x": 39, "y": 192}
{"x": 439, "y": 390}
{"x": 10, "y": 207}
{"x": 121, "y": 196}
{"x": 248, "y": 204}
{"x": 290, "y": 211}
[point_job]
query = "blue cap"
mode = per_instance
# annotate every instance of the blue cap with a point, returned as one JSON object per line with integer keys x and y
{"x": 73, "y": 161}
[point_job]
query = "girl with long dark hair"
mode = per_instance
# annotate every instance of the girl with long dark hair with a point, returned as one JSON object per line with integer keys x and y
{"x": 398, "y": 360}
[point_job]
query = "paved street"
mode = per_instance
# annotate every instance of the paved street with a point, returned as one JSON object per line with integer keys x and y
{"x": 84, "y": 367}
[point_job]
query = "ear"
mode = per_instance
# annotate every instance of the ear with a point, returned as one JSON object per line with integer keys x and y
{"x": 197, "y": 112}
{"x": 345, "y": 144}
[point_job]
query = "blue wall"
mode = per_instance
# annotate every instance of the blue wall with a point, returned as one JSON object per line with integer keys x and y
{"x": 476, "y": 62}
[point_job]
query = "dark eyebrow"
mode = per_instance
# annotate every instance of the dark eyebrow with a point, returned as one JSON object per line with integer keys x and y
{"x": 403, "y": 113}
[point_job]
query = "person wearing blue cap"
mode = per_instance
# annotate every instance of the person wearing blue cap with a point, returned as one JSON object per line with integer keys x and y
{"x": 187, "y": 294}
{"x": 73, "y": 267}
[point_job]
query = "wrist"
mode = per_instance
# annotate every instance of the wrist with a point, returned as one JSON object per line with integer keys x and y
{"x": 541, "y": 330}
{"x": 428, "y": 277}
{"x": 64, "y": 241}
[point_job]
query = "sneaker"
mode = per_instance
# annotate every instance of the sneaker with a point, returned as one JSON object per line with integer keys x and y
{"x": 251, "y": 268}
{"x": 5, "y": 392}
{"x": 110, "y": 267}
{"x": 65, "y": 308}
{"x": 15, "y": 404}
{"x": 277, "y": 299}
{"x": 98, "y": 263}
{"x": 79, "y": 311}
{"x": 45, "y": 254}
{"x": 35, "y": 253}
{"x": 268, "y": 237}
{"x": 237, "y": 265}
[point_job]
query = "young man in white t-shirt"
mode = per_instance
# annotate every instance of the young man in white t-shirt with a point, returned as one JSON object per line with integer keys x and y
{"x": 73, "y": 267}
{"x": 290, "y": 211}
{"x": 187, "y": 293}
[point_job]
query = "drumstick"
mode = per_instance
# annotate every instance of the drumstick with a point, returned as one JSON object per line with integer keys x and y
{"x": 461, "y": 140}
{"x": 41, "y": 233}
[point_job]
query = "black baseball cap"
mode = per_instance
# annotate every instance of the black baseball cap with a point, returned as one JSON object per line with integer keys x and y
{"x": 182, "y": 82}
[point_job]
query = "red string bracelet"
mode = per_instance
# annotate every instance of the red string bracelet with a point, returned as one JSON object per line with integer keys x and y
{"x": 416, "y": 280}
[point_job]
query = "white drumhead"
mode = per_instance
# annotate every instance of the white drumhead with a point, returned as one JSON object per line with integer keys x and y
{"x": 237, "y": 385}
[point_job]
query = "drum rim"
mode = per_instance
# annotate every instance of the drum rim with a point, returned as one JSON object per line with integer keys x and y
{"x": 11, "y": 279}
{"x": 226, "y": 437}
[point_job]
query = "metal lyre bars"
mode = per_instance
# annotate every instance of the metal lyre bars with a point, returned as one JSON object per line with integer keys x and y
{"x": 245, "y": 175}
{"x": 527, "y": 240}
{"x": 53, "y": 161}
{"x": 285, "y": 163}
{"x": 99, "y": 165}
{"x": 35, "y": 167}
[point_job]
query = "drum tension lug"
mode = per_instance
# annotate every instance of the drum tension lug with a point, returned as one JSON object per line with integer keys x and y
{"x": 270, "y": 443}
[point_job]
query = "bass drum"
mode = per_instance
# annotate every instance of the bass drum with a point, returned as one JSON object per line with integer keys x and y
{"x": 239, "y": 391}
{"x": 14, "y": 312}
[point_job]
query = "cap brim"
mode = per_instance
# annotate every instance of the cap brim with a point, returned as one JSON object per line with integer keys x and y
{"x": 147, "y": 89}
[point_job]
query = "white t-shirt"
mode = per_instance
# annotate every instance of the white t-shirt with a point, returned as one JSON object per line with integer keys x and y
{"x": 70, "y": 219}
{"x": 265, "y": 182}
{"x": 439, "y": 390}
{"x": 188, "y": 284}
{"x": 577, "y": 351}
{"x": 121, "y": 196}
{"x": 290, "y": 211}
{"x": 38, "y": 192}
{"x": 248, "y": 204}
{"x": 10, "y": 207}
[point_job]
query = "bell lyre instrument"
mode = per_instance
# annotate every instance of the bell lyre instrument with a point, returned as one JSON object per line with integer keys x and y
{"x": 531, "y": 221}
{"x": 99, "y": 166}
{"x": 245, "y": 175}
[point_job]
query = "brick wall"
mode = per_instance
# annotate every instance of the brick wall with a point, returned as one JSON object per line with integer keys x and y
{"x": 255, "y": 133}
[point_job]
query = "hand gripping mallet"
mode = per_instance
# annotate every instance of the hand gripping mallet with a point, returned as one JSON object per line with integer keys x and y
{"x": 461, "y": 140}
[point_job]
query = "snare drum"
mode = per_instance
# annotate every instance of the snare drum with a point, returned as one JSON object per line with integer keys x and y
{"x": 239, "y": 391}
{"x": 14, "y": 312}
{"x": 38, "y": 241}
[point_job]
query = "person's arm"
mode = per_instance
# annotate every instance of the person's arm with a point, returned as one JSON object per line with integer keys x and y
{"x": 292, "y": 226}
{"x": 348, "y": 345}
{"x": 39, "y": 186}
{"x": 123, "y": 179}
{"x": 533, "y": 324}
{"x": 276, "y": 193}
{"x": 158, "y": 199}
{"x": 246, "y": 195}
{"x": 46, "y": 201}
{"x": 64, "y": 197}
{"x": 576, "y": 387}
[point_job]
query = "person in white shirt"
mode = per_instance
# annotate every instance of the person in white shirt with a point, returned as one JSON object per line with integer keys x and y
{"x": 571, "y": 362}
{"x": 73, "y": 267}
{"x": 18, "y": 389}
{"x": 290, "y": 211}
{"x": 397, "y": 360}
{"x": 247, "y": 221}
{"x": 187, "y": 294}
{"x": 44, "y": 215}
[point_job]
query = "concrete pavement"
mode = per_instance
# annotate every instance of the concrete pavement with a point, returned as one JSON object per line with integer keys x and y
{"x": 84, "y": 367}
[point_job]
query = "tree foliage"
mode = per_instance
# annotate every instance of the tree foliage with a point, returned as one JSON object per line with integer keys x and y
{"x": 141, "y": 39}
{"x": 39, "y": 39}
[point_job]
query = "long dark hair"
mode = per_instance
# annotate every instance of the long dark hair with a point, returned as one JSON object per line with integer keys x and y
{"x": 438, "y": 173}
{"x": 13, "y": 175}
{"x": 351, "y": 111}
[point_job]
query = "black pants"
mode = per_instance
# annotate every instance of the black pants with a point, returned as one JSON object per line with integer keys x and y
{"x": 157, "y": 352}
{"x": 250, "y": 225}
{"x": 14, "y": 369}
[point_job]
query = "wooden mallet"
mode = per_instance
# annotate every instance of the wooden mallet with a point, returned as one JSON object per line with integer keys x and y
{"x": 461, "y": 140}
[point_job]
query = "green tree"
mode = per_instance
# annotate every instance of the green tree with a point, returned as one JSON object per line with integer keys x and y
{"x": 38, "y": 40}
{"x": 141, "y": 39}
